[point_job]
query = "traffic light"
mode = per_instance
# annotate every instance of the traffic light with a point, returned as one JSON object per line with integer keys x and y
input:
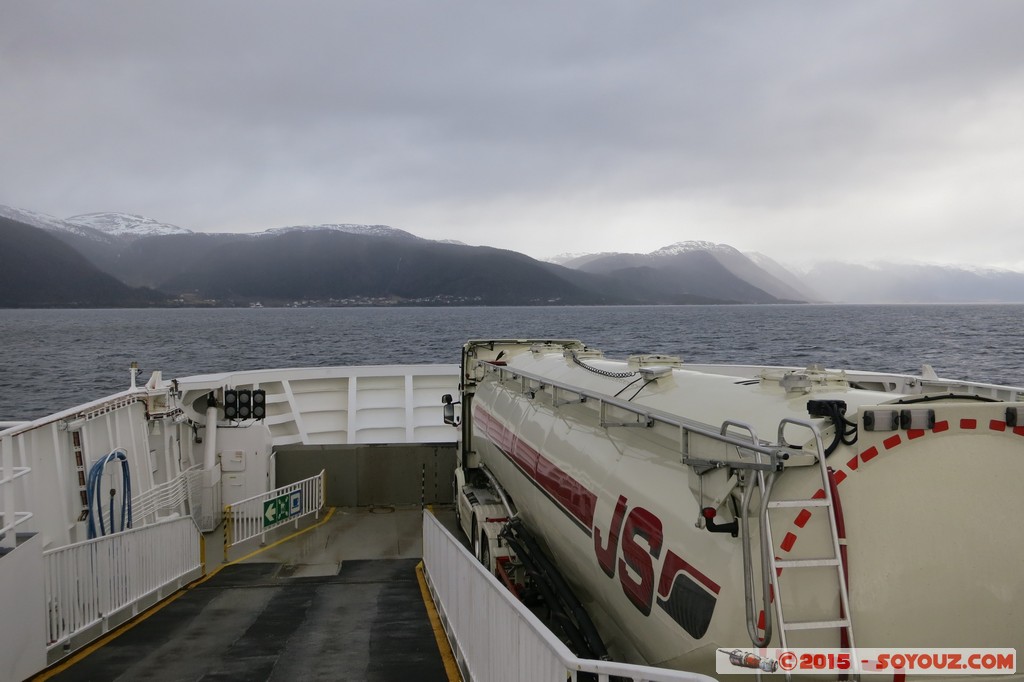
{"x": 259, "y": 403}
{"x": 244, "y": 404}
{"x": 230, "y": 404}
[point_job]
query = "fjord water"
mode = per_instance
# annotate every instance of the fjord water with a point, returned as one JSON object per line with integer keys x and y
{"x": 55, "y": 359}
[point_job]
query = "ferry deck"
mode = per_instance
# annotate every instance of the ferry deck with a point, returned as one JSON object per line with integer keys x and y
{"x": 341, "y": 598}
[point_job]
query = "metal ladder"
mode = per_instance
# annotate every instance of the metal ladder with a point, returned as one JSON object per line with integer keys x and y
{"x": 826, "y": 502}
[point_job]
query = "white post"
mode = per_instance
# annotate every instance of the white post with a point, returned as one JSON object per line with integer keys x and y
{"x": 7, "y": 491}
{"x": 210, "y": 442}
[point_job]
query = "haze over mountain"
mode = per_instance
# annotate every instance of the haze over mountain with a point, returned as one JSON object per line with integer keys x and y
{"x": 38, "y": 270}
{"x": 828, "y": 282}
{"x": 685, "y": 267}
{"x": 343, "y": 263}
{"x": 914, "y": 283}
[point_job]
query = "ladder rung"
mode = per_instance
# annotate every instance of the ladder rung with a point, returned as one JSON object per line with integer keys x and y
{"x": 805, "y": 563}
{"x": 778, "y": 504}
{"x": 817, "y": 624}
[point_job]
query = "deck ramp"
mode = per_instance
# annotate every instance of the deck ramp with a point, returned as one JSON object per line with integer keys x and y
{"x": 253, "y": 622}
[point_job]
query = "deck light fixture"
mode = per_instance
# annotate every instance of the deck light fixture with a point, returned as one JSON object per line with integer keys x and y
{"x": 259, "y": 403}
{"x": 230, "y": 404}
{"x": 244, "y": 404}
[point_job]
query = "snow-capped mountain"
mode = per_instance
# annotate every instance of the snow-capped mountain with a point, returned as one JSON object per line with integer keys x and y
{"x": 48, "y": 222}
{"x": 126, "y": 225}
{"x": 563, "y": 258}
{"x": 690, "y": 247}
{"x": 579, "y": 260}
{"x": 694, "y": 267}
{"x": 41, "y": 220}
{"x": 349, "y": 228}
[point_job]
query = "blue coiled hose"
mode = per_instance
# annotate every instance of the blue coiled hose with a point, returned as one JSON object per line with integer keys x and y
{"x": 95, "y": 493}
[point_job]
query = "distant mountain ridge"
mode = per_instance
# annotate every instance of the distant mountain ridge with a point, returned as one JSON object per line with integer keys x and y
{"x": 356, "y": 264}
{"x": 910, "y": 283}
{"x": 126, "y": 225}
{"x": 697, "y": 268}
{"x": 51, "y": 224}
{"x": 347, "y": 228}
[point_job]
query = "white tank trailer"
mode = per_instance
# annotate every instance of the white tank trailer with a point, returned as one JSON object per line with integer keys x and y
{"x": 698, "y": 508}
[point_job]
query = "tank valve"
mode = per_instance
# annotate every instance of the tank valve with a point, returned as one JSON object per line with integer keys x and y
{"x": 709, "y": 514}
{"x": 745, "y": 659}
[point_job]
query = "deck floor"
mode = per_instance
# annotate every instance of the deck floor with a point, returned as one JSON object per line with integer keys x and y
{"x": 340, "y": 602}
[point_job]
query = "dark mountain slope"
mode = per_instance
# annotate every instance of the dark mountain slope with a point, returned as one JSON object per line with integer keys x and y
{"x": 323, "y": 265}
{"x": 39, "y": 270}
{"x": 148, "y": 261}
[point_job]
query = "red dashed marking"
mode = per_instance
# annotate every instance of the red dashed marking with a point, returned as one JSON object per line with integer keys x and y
{"x": 760, "y": 620}
{"x": 889, "y": 443}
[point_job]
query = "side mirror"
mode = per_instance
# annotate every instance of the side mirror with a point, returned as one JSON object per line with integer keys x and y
{"x": 449, "y": 410}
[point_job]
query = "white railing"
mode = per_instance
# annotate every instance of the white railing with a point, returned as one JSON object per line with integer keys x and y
{"x": 494, "y": 637}
{"x": 11, "y": 517}
{"x": 253, "y": 517}
{"x": 89, "y": 582}
{"x": 8, "y": 507}
{"x": 168, "y": 496}
{"x": 205, "y": 501}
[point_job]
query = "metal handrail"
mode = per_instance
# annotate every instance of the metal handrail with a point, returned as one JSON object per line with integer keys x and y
{"x": 766, "y": 546}
{"x": 494, "y": 637}
{"x": 87, "y": 583}
{"x": 168, "y": 495}
{"x": 246, "y": 519}
{"x": 776, "y": 453}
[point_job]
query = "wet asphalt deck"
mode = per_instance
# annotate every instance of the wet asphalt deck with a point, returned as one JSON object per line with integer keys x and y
{"x": 339, "y": 602}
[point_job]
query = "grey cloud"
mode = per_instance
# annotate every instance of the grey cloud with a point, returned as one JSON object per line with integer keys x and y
{"x": 240, "y": 114}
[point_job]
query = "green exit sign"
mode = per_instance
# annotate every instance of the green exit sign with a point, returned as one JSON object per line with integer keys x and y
{"x": 282, "y": 508}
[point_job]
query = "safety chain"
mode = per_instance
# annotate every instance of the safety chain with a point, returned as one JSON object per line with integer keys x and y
{"x": 602, "y": 372}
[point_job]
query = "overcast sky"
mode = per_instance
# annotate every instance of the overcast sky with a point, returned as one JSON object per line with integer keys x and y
{"x": 804, "y": 130}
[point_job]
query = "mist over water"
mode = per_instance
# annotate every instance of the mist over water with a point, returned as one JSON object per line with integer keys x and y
{"x": 55, "y": 359}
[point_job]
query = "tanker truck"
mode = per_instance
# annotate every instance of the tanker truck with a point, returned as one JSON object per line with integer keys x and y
{"x": 690, "y": 509}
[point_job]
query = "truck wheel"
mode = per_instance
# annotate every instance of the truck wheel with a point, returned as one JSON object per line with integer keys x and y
{"x": 485, "y": 552}
{"x": 455, "y": 499}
